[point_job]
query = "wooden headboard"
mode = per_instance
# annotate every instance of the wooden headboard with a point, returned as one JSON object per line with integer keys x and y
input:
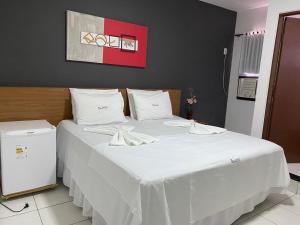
{"x": 52, "y": 104}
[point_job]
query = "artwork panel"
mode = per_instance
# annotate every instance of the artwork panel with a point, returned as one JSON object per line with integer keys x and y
{"x": 117, "y": 57}
{"x": 101, "y": 40}
{"x": 114, "y": 41}
{"x": 77, "y": 22}
{"x": 128, "y": 43}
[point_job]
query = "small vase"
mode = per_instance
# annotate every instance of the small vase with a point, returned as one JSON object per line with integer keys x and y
{"x": 189, "y": 114}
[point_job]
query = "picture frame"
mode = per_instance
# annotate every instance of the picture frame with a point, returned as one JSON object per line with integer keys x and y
{"x": 114, "y": 41}
{"x": 128, "y": 43}
{"x": 247, "y": 86}
{"x": 102, "y": 40}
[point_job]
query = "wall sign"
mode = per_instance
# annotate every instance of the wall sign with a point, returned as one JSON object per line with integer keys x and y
{"x": 247, "y": 88}
{"x": 101, "y": 40}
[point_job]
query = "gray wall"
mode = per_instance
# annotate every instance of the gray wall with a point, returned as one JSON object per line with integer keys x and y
{"x": 185, "y": 45}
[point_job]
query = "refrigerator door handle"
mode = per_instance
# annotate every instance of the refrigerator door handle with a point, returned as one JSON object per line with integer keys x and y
{"x": 29, "y": 132}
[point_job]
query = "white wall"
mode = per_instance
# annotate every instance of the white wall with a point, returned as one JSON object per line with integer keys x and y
{"x": 276, "y": 7}
{"x": 239, "y": 113}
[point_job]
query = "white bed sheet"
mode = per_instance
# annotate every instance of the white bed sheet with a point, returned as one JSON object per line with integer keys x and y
{"x": 182, "y": 179}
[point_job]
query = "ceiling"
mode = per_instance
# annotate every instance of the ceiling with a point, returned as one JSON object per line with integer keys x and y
{"x": 238, "y": 5}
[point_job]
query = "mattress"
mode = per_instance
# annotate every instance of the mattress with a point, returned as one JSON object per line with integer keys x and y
{"x": 182, "y": 179}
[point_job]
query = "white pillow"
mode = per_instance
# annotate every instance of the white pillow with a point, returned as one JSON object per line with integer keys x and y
{"x": 90, "y": 92}
{"x": 153, "y": 107}
{"x": 130, "y": 93}
{"x": 99, "y": 109}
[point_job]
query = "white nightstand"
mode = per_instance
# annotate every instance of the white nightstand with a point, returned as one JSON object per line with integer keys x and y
{"x": 28, "y": 157}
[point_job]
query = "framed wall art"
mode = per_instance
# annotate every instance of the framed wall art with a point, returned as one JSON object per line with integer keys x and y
{"x": 102, "y": 40}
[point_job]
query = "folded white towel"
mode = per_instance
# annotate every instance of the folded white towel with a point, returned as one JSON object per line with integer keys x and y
{"x": 122, "y": 135}
{"x": 124, "y": 138}
{"x": 108, "y": 130}
{"x": 179, "y": 123}
{"x": 198, "y": 128}
{"x": 195, "y": 128}
{"x": 118, "y": 139}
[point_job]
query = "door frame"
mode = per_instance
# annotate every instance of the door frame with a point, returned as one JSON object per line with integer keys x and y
{"x": 274, "y": 72}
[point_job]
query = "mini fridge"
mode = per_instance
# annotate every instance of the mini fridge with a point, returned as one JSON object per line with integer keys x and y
{"x": 28, "y": 156}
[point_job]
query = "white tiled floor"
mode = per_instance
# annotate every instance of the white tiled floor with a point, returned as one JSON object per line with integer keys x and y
{"x": 66, "y": 213}
{"x": 55, "y": 207}
{"x": 51, "y": 198}
{"x": 294, "y": 168}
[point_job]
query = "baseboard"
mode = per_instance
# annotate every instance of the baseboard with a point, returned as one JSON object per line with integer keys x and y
{"x": 14, "y": 195}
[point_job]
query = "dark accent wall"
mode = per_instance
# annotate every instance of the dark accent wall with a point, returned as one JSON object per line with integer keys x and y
{"x": 185, "y": 48}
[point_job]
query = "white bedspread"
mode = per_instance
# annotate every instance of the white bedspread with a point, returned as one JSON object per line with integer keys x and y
{"x": 180, "y": 180}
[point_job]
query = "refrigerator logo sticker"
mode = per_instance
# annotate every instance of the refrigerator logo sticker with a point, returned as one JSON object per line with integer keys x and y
{"x": 21, "y": 152}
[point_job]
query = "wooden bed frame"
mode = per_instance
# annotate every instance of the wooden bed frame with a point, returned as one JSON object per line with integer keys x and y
{"x": 51, "y": 104}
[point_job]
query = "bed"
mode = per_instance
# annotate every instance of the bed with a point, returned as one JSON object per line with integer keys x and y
{"x": 182, "y": 179}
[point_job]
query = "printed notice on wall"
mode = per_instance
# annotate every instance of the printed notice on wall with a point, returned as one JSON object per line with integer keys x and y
{"x": 21, "y": 152}
{"x": 247, "y": 88}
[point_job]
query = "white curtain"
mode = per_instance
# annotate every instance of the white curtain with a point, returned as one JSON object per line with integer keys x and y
{"x": 251, "y": 50}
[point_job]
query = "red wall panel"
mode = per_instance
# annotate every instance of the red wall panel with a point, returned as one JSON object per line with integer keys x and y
{"x": 116, "y": 56}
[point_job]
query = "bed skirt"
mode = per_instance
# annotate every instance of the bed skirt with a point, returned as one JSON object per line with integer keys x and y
{"x": 225, "y": 217}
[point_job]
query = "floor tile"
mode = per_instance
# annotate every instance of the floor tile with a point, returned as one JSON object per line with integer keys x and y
{"x": 281, "y": 216}
{"x": 279, "y": 197}
{"x": 262, "y": 207}
{"x": 30, "y": 218}
{"x": 86, "y": 222}
{"x": 293, "y": 187}
{"x": 292, "y": 204}
{"x": 257, "y": 220}
{"x": 62, "y": 214}
{"x": 17, "y": 204}
{"x": 258, "y": 209}
{"x": 294, "y": 168}
{"x": 52, "y": 197}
